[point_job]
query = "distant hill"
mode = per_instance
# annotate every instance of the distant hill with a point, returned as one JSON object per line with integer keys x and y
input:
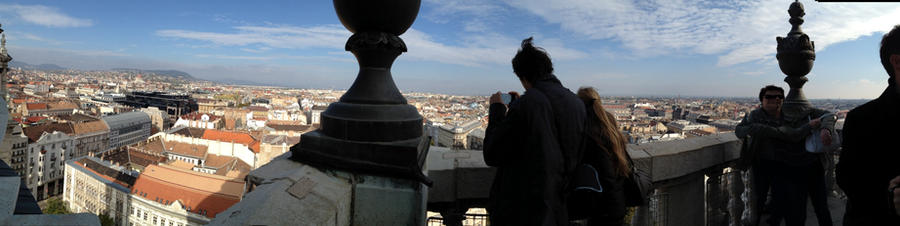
{"x": 170, "y": 73}
{"x": 49, "y": 67}
{"x": 243, "y": 82}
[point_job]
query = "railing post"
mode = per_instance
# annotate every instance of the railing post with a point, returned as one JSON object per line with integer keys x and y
{"x": 717, "y": 198}
{"x": 737, "y": 202}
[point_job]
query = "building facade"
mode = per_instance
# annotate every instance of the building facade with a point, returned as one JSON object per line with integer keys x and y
{"x": 98, "y": 187}
{"x": 127, "y": 128}
{"x": 13, "y": 149}
{"x": 174, "y": 104}
{"x": 91, "y": 137}
{"x": 48, "y": 145}
{"x": 158, "y": 118}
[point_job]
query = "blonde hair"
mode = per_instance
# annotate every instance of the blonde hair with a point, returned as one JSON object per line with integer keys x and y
{"x": 606, "y": 132}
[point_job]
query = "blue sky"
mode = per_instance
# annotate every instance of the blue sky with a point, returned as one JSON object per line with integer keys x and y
{"x": 652, "y": 47}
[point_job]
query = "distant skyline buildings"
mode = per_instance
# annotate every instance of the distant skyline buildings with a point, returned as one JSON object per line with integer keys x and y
{"x": 463, "y": 47}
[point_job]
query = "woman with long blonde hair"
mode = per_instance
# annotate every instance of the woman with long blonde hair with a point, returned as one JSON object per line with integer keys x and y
{"x": 606, "y": 153}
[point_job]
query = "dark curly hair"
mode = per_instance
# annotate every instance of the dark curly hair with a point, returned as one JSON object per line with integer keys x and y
{"x": 762, "y": 92}
{"x": 890, "y": 45}
{"x": 532, "y": 63}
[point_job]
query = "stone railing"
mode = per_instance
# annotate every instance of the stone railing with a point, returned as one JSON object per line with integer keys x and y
{"x": 691, "y": 179}
{"x": 17, "y": 206}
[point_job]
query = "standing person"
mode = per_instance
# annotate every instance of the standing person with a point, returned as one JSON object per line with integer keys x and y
{"x": 606, "y": 152}
{"x": 533, "y": 143}
{"x": 869, "y": 154}
{"x": 781, "y": 163}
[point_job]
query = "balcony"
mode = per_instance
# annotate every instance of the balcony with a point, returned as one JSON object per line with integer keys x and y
{"x": 693, "y": 183}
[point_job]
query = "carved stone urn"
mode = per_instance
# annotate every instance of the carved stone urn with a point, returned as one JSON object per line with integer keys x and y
{"x": 371, "y": 129}
{"x": 796, "y": 54}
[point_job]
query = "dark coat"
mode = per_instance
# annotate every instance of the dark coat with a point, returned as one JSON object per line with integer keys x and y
{"x": 611, "y": 209}
{"x": 870, "y": 158}
{"x": 533, "y": 146}
{"x": 778, "y": 140}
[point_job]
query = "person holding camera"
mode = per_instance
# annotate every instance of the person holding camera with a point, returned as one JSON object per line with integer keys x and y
{"x": 533, "y": 142}
{"x": 869, "y": 154}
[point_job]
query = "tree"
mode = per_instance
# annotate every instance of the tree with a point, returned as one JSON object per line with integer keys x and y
{"x": 56, "y": 205}
{"x": 105, "y": 220}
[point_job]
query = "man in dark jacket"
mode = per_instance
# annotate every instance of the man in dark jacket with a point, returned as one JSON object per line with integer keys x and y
{"x": 780, "y": 161}
{"x": 870, "y": 151}
{"x": 533, "y": 143}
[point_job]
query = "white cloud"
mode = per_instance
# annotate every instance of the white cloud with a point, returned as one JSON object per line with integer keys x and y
{"x": 46, "y": 16}
{"x": 229, "y": 57}
{"x": 475, "y": 50}
{"x": 742, "y": 31}
{"x": 289, "y": 37}
{"x": 478, "y": 50}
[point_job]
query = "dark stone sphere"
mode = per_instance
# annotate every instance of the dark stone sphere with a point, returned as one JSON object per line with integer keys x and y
{"x": 796, "y": 63}
{"x": 390, "y": 16}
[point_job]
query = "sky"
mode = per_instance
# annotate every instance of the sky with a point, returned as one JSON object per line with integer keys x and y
{"x": 622, "y": 48}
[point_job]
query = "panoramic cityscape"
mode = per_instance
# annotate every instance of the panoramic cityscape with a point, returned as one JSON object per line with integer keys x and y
{"x": 227, "y": 113}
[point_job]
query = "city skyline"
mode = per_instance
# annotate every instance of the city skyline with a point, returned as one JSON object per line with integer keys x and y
{"x": 464, "y": 47}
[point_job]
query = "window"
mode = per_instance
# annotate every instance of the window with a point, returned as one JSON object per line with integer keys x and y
{"x": 154, "y": 220}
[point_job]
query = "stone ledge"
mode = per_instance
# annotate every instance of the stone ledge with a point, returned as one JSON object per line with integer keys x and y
{"x": 52, "y": 219}
{"x": 673, "y": 159}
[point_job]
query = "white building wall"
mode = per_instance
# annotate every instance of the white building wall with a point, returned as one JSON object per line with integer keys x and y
{"x": 237, "y": 150}
{"x": 143, "y": 212}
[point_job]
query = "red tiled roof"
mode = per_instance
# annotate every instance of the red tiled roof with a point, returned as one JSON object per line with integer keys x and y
{"x": 36, "y": 106}
{"x": 144, "y": 159}
{"x": 197, "y": 191}
{"x": 225, "y": 136}
{"x": 33, "y": 119}
{"x": 34, "y": 132}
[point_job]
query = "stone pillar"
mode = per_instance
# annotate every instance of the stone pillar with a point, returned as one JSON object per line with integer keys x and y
{"x": 684, "y": 204}
{"x": 736, "y": 201}
{"x": 4, "y": 67}
{"x": 716, "y": 198}
{"x": 372, "y": 132}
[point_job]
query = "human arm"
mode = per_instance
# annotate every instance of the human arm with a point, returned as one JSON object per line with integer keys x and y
{"x": 503, "y": 124}
{"x": 894, "y": 184}
{"x": 752, "y": 125}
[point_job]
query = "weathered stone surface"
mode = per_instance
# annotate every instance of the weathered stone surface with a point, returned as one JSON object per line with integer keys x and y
{"x": 57, "y": 219}
{"x": 292, "y": 194}
{"x": 9, "y": 193}
{"x": 388, "y": 201}
{"x": 673, "y": 159}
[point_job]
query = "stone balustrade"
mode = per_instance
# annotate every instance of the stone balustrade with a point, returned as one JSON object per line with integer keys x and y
{"x": 679, "y": 170}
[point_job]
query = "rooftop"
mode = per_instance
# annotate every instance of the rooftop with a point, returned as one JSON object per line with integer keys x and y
{"x": 89, "y": 127}
{"x": 126, "y": 119}
{"x": 187, "y": 131}
{"x": 34, "y": 133}
{"x": 104, "y": 170}
{"x": 185, "y": 149}
{"x": 236, "y": 137}
{"x": 197, "y": 191}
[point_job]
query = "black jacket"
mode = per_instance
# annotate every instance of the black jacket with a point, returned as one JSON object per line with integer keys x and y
{"x": 778, "y": 140}
{"x": 611, "y": 209}
{"x": 533, "y": 146}
{"x": 870, "y": 158}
